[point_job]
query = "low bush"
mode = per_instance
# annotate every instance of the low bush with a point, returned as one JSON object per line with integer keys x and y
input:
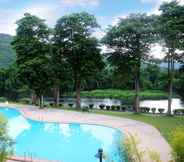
{"x": 108, "y": 107}
{"x": 147, "y": 109}
{"x": 177, "y": 143}
{"x": 123, "y": 108}
{"x": 102, "y": 106}
{"x": 91, "y": 106}
{"x": 70, "y": 104}
{"x": 51, "y": 104}
{"x": 25, "y": 101}
{"x": 143, "y": 109}
{"x": 118, "y": 108}
{"x": 161, "y": 110}
{"x": 3, "y": 99}
{"x": 153, "y": 110}
{"x": 178, "y": 112}
{"x": 85, "y": 109}
{"x": 113, "y": 107}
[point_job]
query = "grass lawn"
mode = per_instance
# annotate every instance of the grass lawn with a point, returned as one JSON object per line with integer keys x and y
{"x": 164, "y": 124}
{"x": 124, "y": 94}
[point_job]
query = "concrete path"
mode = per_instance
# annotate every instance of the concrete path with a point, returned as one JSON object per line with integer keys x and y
{"x": 150, "y": 138}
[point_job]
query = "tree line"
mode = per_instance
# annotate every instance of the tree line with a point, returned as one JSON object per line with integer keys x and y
{"x": 49, "y": 58}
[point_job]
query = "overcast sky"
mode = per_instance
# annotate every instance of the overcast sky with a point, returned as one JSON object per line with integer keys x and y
{"x": 107, "y": 12}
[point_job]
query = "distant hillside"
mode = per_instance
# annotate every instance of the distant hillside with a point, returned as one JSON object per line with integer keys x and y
{"x": 7, "y": 55}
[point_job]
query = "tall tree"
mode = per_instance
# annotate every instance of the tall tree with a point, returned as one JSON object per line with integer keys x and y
{"x": 130, "y": 42}
{"x": 60, "y": 71}
{"x": 31, "y": 46}
{"x": 73, "y": 36}
{"x": 171, "y": 31}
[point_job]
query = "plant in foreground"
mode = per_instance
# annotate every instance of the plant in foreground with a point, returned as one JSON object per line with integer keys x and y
{"x": 5, "y": 141}
{"x": 177, "y": 143}
{"x": 128, "y": 150}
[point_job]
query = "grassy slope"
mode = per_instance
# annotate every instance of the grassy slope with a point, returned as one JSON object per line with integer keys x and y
{"x": 164, "y": 124}
{"x": 124, "y": 94}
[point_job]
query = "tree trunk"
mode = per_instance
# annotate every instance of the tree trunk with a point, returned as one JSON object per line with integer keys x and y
{"x": 34, "y": 98}
{"x": 78, "y": 88}
{"x": 137, "y": 91}
{"x": 56, "y": 95}
{"x": 41, "y": 101}
{"x": 170, "y": 89}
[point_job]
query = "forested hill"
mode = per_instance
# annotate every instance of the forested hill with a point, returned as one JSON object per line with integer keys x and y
{"x": 7, "y": 55}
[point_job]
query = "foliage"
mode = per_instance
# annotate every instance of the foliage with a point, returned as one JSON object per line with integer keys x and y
{"x": 127, "y": 95}
{"x": 130, "y": 42}
{"x": 3, "y": 99}
{"x": 10, "y": 85}
{"x": 171, "y": 31}
{"x": 131, "y": 148}
{"x": 5, "y": 141}
{"x": 179, "y": 83}
{"x": 25, "y": 100}
{"x": 73, "y": 38}
{"x": 31, "y": 46}
{"x": 7, "y": 55}
{"x": 177, "y": 142}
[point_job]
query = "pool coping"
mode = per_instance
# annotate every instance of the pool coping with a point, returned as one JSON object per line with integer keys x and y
{"x": 149, "y": 137}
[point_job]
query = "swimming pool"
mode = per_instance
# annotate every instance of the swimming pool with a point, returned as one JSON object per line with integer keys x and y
{"x": 61, "y": 142}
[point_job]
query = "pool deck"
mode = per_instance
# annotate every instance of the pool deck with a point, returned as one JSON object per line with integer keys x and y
{"x": 149, "y": 137}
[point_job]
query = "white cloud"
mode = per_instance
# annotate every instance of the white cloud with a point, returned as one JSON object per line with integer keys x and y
{"x": 157, "y": 51}
{"x": 157, "y": 3}
{"x": 81, "y": 2}
{"x": 8, "y": 18}
{"x": 48, "y": 12}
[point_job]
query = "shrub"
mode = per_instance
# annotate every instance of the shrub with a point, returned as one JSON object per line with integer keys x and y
{"x": 70, "y": 104}
{"x": 147, "y": 109}
{"x": 51, "y": 104}
{"x": 60, "y": 104}
{"x": 113, "y": 107}
{"x": 123, "y": 108}
{"x": 118, "y": 108}
{"x": 161, "y": 110}
{"x": 177, "y": 142}
{"x": 153, "y": 110}
{"x": 143, "y": 109}
{"x": 178, "y": 112}
{"x": 131, "y": 149}
{"x": 85, "y": 109}
{"x": 101, "y": 106}
{"x": 91, "y": 106}
{"x": 25, "y": 101}
{"x": 3, "y": 99}
{"x": 6, "y": 143}
{"x": 108, "y": 107}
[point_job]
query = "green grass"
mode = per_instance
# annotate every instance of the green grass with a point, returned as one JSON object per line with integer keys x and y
{"x": 164, "y": 124}
{"x": 124, "y": 94}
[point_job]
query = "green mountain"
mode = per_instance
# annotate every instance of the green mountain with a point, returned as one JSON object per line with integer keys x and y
{"x": 7, "y": 55}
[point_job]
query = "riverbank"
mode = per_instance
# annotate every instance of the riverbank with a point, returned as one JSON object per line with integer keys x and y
{"x": 124, "y": 94}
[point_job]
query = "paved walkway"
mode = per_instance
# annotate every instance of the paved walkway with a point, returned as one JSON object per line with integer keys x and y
{"x": 150, "y": 138}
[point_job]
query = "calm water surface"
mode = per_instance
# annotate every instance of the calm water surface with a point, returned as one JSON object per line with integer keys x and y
{"x": 61, "y": 142}
{"x": 176, "y": 102}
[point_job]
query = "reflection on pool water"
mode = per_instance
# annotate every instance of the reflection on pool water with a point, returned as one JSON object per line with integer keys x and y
{"x": 61, "y": 142}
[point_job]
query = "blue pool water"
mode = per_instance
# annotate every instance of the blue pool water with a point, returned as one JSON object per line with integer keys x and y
{"x": 61, "y": 142}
